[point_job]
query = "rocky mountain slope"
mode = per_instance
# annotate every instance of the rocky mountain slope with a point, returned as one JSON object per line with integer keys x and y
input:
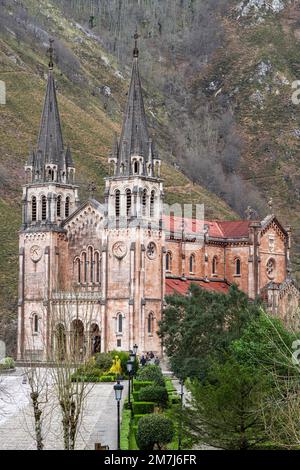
{"x": 92, "y": 94}
{"x": 218, "y": 78}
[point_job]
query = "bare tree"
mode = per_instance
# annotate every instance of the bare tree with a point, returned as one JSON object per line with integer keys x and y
{"x": 71, "y": 344}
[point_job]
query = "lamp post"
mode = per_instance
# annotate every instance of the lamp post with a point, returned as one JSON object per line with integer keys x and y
{"x": 130, "y": 365}
{"x": 181, "y": 381}
{"x": 118, "y": 388}
{"x": 132, "y": 356}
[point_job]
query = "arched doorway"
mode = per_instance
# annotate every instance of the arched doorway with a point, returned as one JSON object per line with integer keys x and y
{"x": 77, "y": 340}
{"x": 60, "y": 342}
{"x": 95, "y": 339}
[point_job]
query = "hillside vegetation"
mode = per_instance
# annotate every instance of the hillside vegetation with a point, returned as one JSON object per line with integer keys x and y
{"x": 92, "y": 89}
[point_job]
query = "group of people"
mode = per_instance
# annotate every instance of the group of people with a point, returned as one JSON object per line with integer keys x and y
{"x": 149, "y": 358}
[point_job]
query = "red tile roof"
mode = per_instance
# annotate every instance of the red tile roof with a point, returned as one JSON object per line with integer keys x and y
{"x": 181, "y": 286}
{"x": 216, "y": 229}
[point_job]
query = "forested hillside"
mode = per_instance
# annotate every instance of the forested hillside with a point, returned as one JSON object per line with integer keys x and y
{"x": 217, "y": 76}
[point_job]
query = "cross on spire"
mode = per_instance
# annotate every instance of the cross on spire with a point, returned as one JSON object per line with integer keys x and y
{"x": 92, "y": 189}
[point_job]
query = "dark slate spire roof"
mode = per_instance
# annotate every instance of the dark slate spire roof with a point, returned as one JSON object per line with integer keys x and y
{"x": 50, "y": 145}
{"x": 134, "y": 138}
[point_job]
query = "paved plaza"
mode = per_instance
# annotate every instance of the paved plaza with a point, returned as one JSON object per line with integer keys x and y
{"x": 99, "y": 423}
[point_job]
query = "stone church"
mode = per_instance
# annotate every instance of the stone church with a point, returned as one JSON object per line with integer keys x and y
{"x": 100, "y": 272}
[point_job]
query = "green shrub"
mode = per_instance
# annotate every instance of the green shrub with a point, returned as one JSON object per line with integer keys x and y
{"x": 154, "y": 393}
{"x": 169, "y": 385}
{"x": 174, "y": 399}
{"x": 151, "y": 372}
{"x": 136, "y": 419}
{"x": 138, "y": 384}
{"x": 142, "y": 407}
{"x": 107, "y": 378}
{"x": 109, "y": 374}
{"x": 103, "y": 361}
{"x": 125, "y": 429}
{"x": 135, "y": 395}
{"x": 85, "y": 378}
{"x": 8, "y": 363}
{"x": 154, "y": 430}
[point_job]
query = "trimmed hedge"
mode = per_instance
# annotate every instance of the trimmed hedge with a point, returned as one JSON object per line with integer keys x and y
{"x": 85, "y": 378}
{"x": 138, "y": 384}
{"x": 137, "y": 418}
{"x": 174, "y": 399}
{"x": 155, "y": 393}
{"x": 169, "y": 386}
{"x": 135, "y": 395}
{"x": 125, "y": 430}
{"x": 142, "y": 407}
{"x": 151, "y": 372}
{"x": 107, "y": 378}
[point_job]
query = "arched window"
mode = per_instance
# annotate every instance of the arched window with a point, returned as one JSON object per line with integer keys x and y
{"x": 117, "y": 203}
{"x": 144, "y": 202}
{"x": 192, "y": 263}
{"x": 136, "y": 168}
{"x": 214, "y": 265}
{"x": 35, "y": 323}
{"x": 91, "y": 262}
{"x": 78, "y": 270}
{"x": 97, "y": 267}
{"x": 44, "y": 208}
{"x": 128, "y": 202}
{"x": 58, "y": 206}
{"x": 169, "y": 261}
{"x": 33, "y": 209}
{"x": 120, "y": 323}
{"x": 152, "y": 201}
{"x": 238, "y": 267}
{"x": 67, "y": 207}
{"x": 150, "y": 323}
{"x": 84, "y": 266}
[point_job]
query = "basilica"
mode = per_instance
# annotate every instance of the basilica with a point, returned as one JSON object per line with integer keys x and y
{"x": 100, "y": 272}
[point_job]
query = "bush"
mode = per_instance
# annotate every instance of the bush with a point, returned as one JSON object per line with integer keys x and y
{"x": 138, "y": 384}
{"x": 154, "y": 393}
{"x": 151, "y": 372}
{"x": 142, "y": 407}
{"x": 103, "y": 361}
{"x": 169, "y": 386}
{"x": 135, "y": 395}
{"x": 8, "y": 363}
{"x": 175, "y": 399}
{"x": 108, "y": 378}
{"x": 154, "y": 430}
{"x": 125, "y": 429}
{"x": 137, "y": 418}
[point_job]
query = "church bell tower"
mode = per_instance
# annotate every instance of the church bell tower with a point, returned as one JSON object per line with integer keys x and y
{"x": 135, "y": 239}
{"x": 49, "y": 197}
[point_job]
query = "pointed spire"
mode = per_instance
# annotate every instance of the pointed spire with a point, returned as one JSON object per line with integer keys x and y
{"x": 134, "y": 139}
{"x": 50, "y": 145}
{"x": 50, "y": 140}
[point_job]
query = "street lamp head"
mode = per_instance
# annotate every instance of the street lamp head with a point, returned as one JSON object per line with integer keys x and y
{"x": 118, "y": 388}
{"x": 135, "y": 348}
{"x": 129, "y": 366}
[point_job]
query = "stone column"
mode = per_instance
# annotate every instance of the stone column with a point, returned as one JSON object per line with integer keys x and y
{"x": 21, "y": 310}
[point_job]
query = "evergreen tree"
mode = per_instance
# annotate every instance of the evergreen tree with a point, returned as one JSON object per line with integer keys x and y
{"x": 200, "y": 327}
